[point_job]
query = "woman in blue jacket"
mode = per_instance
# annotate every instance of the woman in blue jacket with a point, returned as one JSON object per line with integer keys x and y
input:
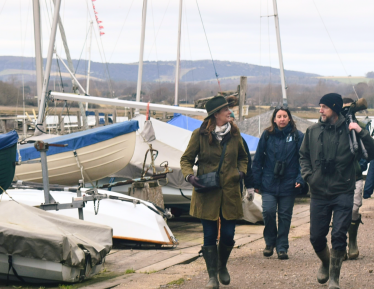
{"x": 276, "y": 174}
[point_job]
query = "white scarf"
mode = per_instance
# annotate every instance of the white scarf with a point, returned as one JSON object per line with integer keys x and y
{"x": 221, "y": 131}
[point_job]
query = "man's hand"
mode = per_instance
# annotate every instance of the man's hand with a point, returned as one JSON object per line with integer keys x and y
{"x": 257, "y": 191}
{"x": 355, "y": 126}
{"x": 250, "y": 195}
{"x": 297, "y": 185}
{"x": 193, "y": 180}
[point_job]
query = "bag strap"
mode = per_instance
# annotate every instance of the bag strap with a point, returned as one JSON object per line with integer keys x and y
{"x": 222, "y": 157}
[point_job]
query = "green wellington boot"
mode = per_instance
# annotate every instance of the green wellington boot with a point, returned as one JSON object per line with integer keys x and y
{"x": 323, "y": 271}
{"x": 210, "y": 255}
{"x": 352, "y": 233}
{"x": 223, "y": 255}
{"x": 336, "y": 260}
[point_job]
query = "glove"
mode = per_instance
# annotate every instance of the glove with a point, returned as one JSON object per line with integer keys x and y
{"x": 250, "y": 195}
{"x": 241, "y": 175}
{"x": 193, "y": 180}
{"x": 367, "y": 195}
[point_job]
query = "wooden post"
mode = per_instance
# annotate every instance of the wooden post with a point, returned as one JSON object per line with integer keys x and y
{"x": 242, "y": 95}
{"x": 114, "y": 116}
{"x": 79, "y": 120}
{"x": 24, "y": 127}
{"x": 62, "y": 124}
{"x": 106, "y": 119}
{"x": 3, "y": 126}
{"x": 97, "y": 119}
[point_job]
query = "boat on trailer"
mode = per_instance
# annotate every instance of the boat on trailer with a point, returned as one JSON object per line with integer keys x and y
{"x": 89, "y": 155}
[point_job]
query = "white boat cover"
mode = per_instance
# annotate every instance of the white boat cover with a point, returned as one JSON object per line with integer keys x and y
{"x": 171, "y": 142}
{"x": 33, "y": 233}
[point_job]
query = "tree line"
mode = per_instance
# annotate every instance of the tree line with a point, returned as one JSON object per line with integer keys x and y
{"x": 13, "y": 92}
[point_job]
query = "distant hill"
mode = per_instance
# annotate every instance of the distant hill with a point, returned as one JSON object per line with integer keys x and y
{"x": 198, "y": 70}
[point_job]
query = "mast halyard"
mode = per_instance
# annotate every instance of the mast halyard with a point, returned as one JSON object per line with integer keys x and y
{"x": 38, "y": 50}
{"x": 281, "y": 68}
{"x": 89, "y": 64}
{"x": 177, "y": 67}
{"x": 140, "y": 70}
{"x": 52, "y": 39}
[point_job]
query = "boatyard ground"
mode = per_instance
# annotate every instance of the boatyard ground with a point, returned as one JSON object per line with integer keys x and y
{"x": 181, "y": 267}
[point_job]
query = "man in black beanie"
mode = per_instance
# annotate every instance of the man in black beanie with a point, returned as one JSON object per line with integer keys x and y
{"x": 327, "y": 164}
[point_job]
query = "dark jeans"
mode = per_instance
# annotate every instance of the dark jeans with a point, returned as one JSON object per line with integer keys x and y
{"x": 369, "y": 183}
{"x": 320, "y": 217}
{"x": 210, "y": 229}
{"x": 277, "y": 237}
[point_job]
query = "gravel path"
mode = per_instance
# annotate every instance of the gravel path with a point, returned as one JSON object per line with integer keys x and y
{"x": 249, "y": 269}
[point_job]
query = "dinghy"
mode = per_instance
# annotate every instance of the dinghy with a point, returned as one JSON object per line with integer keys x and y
{"x": 89, "y": 155}
{"x": 131, "y": 219}
{"x": 40, "y": 247}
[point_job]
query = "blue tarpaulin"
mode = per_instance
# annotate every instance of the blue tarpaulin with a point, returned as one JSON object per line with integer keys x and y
{"x": 80, "y": 139}
{"x": 191, "y": 124}
{"x": 8, "y": 139}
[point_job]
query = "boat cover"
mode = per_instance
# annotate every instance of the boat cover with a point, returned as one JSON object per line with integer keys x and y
{"x": 191, "y": 124}
{"x": 8, "y": 139}
{"x": 33, "y": 233}
{"x": 80, "y": 139}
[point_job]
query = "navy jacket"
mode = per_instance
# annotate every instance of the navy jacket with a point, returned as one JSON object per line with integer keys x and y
{"x": 281, "y": 146}
{"x": 248, "y": 179}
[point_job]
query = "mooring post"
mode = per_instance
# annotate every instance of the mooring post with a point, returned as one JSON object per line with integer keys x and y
{"x": 97, "y": 119}
{"x": 242, "y": 95}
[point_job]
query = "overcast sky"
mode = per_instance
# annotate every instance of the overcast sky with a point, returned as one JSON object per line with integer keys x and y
{"x": 234, "y": 28}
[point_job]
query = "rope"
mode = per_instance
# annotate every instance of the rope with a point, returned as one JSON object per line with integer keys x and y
{"x": 336, "y": 51}
{"x": 154, "y": 33}
{"x": 80, "y": 57}
{"x": 4, "y": 191}
{"x": 128, "y": 12}
{"x": 211, "y": 56}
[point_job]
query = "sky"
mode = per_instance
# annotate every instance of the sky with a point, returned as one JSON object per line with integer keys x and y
{"x": 326, "y": 37}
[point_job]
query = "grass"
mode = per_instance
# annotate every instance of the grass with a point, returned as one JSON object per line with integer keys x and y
{"x": 65, "y": 286}
{"x": 130, "y": 271}
{"x": 180, "y": 281}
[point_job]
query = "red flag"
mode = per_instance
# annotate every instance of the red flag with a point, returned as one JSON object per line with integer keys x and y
{"x": 99, "y": 21}
{"x": 96, "y": 12}
{"x": 101, "y": 27}
{"x": 93, "y": 0}
{"x": 102, "y": 33}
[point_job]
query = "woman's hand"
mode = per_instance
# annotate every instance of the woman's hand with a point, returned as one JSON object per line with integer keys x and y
{"x": 241, "y": 175}
{"x": 193, "y": 180}
{"x": 297, "y": 185}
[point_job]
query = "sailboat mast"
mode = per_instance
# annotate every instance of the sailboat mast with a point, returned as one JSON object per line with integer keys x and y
{"x": 140, "y": 70}
{"x": 52, "y": 39}
{"x": 38, "y": 50}
{"x": 89, "y": 64}
{"x": 177, "y": 67}
{"x": 281, "y": 68}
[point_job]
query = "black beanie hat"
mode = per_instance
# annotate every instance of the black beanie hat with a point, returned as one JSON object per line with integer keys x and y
{"x": 333, "y": 101}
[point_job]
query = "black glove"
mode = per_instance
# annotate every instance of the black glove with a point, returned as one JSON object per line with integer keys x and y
{"x": 194, "y": 181}
{"x": 241, "y": 175}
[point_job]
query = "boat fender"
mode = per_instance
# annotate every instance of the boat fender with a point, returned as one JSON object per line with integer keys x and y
{"x": 10, "y": 262}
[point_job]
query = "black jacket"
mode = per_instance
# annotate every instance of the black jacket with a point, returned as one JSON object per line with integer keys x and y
{"x": 335, "y": 140}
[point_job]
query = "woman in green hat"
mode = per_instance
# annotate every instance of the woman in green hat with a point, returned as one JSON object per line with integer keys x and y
{"x": 216, "y": 135}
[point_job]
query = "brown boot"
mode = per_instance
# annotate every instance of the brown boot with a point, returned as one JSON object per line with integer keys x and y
{"x": 323, "y": 271}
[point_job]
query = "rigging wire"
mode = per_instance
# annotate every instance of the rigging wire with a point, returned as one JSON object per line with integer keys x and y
{"x": 189, "y": 42}
{"x": 267, "y": 8}
{"x": 80, "y": 57}
{"x": 102, "y": 54}
{"x": 154, "y": 33}
{"x": 115, "y": 45}
{"x": 158, "y": 30}
{"x": 336, "y": 51}
{"x": 215, "y": 70}
{"x": 3, "y": 7}
{"x": 259, "y": 85}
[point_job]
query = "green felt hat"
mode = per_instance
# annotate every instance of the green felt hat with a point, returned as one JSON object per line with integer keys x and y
{"x": 215, "y": 104}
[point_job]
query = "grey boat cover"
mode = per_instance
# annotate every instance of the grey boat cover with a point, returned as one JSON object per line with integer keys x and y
{"x": 33, "y": 233}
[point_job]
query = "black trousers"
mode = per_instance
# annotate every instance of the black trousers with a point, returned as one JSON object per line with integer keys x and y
{"x": 321, "y": 211}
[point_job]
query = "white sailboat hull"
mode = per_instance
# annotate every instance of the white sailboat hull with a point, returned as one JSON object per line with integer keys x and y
{"x": 132, "y": 222}
{"x": 98, "y": 160}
